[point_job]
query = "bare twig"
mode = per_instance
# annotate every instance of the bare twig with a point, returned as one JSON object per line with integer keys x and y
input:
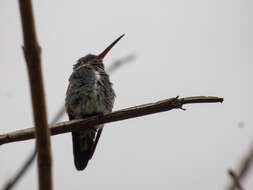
{"x": 235, "y": 179}
{"x": 120, "y": 62}
{"x": 13, "y": 181}
{"x": 245, "y": 164}
{"x": 32, "y": 55}
{"x": 83, "y": 124}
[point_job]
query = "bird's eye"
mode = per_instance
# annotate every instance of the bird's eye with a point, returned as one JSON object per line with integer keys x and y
{"x": 82, "y": 62}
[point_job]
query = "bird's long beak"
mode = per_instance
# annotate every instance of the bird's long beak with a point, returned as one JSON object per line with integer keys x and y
{"x": 103, "y": 54}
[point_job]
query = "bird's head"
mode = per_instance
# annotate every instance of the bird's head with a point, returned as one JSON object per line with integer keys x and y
{"x": 91, "y": 59}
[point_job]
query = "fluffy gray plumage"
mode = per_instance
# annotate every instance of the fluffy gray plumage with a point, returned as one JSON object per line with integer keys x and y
{"x": 89, "y": 93}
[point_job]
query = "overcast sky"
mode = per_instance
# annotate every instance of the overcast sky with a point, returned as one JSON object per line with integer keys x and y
{"x": 183, "y": 47}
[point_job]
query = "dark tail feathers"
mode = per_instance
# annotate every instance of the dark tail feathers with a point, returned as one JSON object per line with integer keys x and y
{"x": 81, "y": 156}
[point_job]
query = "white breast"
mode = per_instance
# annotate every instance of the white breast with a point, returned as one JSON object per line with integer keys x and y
{"x": 95, "y": 103}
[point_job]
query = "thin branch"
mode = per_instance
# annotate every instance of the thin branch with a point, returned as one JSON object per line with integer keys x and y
{"x": 83, "y": 124}
{"x": 235, "y": 179}
{"x": 13, "y": 181}
{"x": 120, "y": 62}
{"x": 32, "y": 55}
{"x": 244, "y": 167}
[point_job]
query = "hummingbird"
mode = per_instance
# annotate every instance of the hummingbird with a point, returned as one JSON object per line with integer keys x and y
{"x": 89, "y": 93}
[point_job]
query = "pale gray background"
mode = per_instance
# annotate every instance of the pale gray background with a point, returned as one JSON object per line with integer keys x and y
{"x": 184, "y": 47}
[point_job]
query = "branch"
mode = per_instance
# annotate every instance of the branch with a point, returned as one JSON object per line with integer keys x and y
{"x": 13, "y": 181}
{"x": 83, "y": 124}
{"x": 235, "y": 179}
{"x": 32, "y": 55}
{"x": 120, "y": 62}
{"x": 244, "y": 167}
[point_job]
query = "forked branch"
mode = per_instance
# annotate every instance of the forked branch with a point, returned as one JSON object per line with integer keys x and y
{"x": 235, "y": 179}
{"x": 243, "y": 171}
